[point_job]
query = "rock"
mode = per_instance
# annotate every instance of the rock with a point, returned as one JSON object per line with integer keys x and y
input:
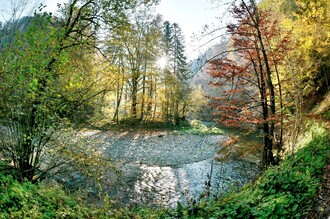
{"x": 320, "y": 209}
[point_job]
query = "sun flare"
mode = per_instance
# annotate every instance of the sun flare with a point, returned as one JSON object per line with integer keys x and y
{"x": 161, "y": 62}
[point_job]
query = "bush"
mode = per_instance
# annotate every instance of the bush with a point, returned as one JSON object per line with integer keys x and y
{"x": 27, "y": 200}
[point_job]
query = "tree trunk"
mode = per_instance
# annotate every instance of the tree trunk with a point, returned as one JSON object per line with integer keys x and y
{"x": 267, "y": 157}
{"x": 134, "y": 95}
{"x": 143, "y": 90}
{"x": 120, "y": 87}
{"x": 270, "y": 131}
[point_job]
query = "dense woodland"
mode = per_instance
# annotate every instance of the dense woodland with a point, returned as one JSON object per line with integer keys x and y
{"x": 117, "y": 63}
{"x": 98, "y": 62}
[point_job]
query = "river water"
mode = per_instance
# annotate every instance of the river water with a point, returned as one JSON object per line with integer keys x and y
{"x": 163, "y": 168}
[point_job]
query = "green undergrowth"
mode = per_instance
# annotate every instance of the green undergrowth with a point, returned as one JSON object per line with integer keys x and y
{"x": 195, "y": 127}
{"x": 38, "y": 201}
{"x": 27, "y": 200}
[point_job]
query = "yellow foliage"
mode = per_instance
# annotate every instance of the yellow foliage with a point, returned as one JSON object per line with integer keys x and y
{"x": 308, "y": 23}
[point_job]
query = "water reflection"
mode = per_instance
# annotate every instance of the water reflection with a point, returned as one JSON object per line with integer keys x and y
{"x": 157, "y": 185}
{"x": 167, "y": 185}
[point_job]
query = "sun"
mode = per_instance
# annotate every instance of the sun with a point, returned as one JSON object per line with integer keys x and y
{"x": 161, "y": 62}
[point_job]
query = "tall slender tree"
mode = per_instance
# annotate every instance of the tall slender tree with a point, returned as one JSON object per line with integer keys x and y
{"x": 180, "y": 70}
{"x": 176, "y": 73}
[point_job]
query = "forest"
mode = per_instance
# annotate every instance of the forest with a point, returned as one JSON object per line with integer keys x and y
{"x": 99, "y": 105}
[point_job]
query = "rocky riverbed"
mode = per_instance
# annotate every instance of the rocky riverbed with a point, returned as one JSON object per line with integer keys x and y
{"x": 161, "y": 148}
{"x": 161, "y": 167}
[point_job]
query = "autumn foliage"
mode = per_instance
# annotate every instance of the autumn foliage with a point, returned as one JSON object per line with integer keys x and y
{"x": 246, "y": 75}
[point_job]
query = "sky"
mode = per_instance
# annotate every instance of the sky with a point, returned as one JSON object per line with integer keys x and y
{"x": 191, "y": 15}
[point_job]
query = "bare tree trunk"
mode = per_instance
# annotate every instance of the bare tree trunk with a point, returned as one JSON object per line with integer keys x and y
{"x": 155, "y": 98}
{"x": 120, "y": 88}
{"x": 134, "y": 95}
{"x": 278, "y": 139}
{"x": 143, "y": 90}
{"x": 270, "y": 132}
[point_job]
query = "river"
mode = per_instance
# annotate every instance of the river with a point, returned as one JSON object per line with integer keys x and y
{"x": 162, "y": 168}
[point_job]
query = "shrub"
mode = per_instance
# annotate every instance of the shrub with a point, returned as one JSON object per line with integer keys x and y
{"x": 27, "y": 200}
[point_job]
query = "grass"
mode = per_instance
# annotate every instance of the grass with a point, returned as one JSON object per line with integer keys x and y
{"x": 195, "y": 127}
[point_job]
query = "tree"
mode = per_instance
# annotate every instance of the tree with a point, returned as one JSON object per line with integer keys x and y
{"x": 245, "y": 72}
{"x": 137, "y": 48}
{"x": 151, "y": 88}
{"x": 309, "y": 58}
{"x": 176, "y": 73}
{"x": 166, "y": 48}
{"x": 181, "y": 74}
{"x": 28, "y": 111}
{"x": 304, "y": 69}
